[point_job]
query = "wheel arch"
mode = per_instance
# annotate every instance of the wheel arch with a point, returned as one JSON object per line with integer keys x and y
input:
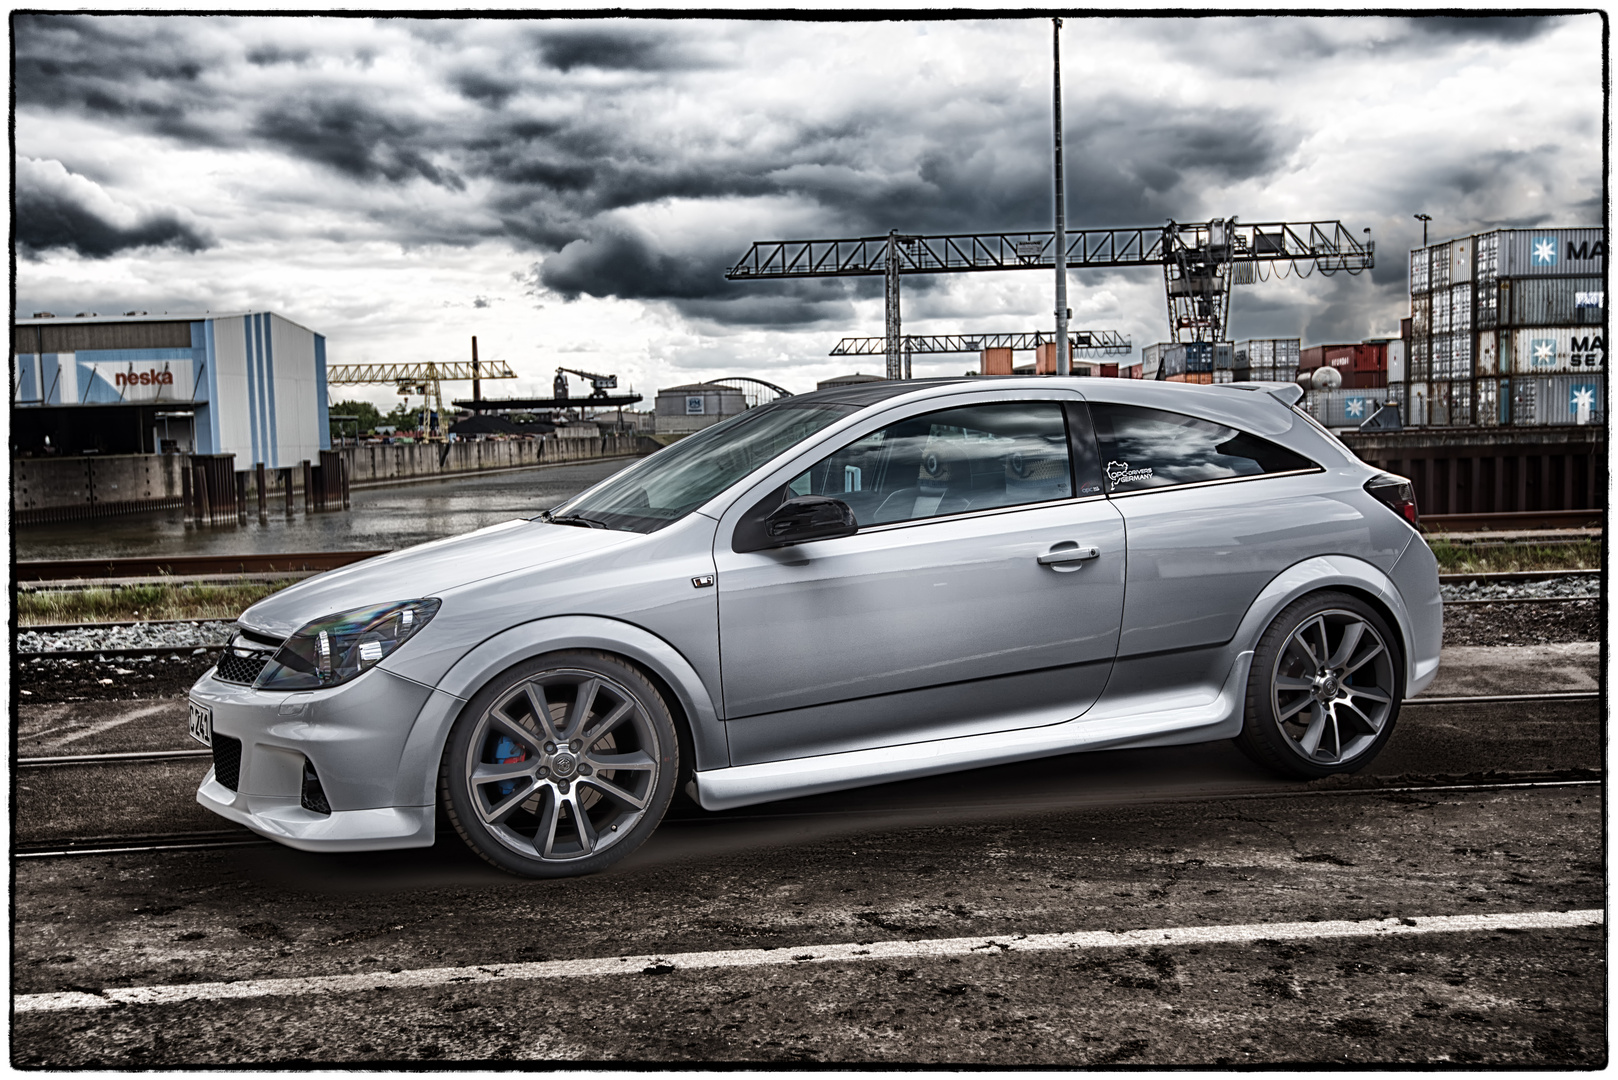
{"x": 689, "y": 701}
{"x": 1342, "y": 573}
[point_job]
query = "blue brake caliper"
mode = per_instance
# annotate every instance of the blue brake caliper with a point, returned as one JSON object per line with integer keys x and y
{"x": 507, "y": 752}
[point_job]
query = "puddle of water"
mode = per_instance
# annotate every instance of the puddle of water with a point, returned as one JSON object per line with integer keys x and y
{"x": 377, "y": 519}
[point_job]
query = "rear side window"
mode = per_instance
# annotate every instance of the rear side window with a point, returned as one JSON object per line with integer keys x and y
{"x": 1145, "y": 448}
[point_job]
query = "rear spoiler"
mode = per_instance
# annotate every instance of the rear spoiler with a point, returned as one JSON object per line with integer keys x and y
{"x": 1287, "y": 393}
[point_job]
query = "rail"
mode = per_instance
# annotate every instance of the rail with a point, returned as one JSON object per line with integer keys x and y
{"x": 184, "y": 565}
{"x": 1529, "y": 519}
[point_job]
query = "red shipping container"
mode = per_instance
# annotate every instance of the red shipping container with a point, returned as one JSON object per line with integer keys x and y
{"x": 1312, "y": 357}
{"x": 1134, "y": 371}
{"x": 996, "y": 362}
{"x": 1371, "y": 357}
{"x": 1045, "y": 359}
{"x": 1341, "y": 357}
{"x": 1109, "y": 371}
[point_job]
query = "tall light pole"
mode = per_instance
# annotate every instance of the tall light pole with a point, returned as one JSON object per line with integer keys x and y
{"x": 1424, "y": 219}
{"x": 1062, "y": 367}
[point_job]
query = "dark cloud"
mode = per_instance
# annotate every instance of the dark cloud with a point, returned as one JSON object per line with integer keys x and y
{"x": 352, "y": 138}
{"x": 619, "y": 49}
{"x": 1512, "y": 29}
{"x": 619, "y": 264}
{"x": 59, "y": 211}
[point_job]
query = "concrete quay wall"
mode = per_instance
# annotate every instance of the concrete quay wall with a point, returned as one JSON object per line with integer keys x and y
{"x": 375, "y": 463}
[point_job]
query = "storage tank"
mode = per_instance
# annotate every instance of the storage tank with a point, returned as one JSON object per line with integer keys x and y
{"x": 694, "y": 406}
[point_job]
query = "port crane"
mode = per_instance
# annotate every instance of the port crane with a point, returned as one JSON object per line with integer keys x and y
{"x": 1200, "y": 262}
{"x": 424, "y": 379}
{"x": 599, "y": 384}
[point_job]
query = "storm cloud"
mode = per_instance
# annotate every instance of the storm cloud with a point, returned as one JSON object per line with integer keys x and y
{"x": 632, "y": 161}
{"x": 57, "y": 210}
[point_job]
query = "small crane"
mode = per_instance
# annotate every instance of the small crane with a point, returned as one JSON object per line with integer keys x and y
{"x": 599, "y": 384}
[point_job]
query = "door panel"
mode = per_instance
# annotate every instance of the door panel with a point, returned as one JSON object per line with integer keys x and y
{"x": 930, "y": 603}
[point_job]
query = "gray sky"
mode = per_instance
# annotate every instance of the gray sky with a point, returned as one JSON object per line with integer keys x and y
{"x": 572, "y": 191}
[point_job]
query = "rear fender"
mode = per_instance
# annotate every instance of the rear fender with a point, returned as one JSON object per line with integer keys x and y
{"x": 1344, "y": 572}
{"x": 425, "y": 746}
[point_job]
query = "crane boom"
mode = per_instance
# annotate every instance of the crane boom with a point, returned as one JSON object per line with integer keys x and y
{"x": 448, "y": 371}
{"x": 1100, "y": 342}
{"x": 1329, "y": 245}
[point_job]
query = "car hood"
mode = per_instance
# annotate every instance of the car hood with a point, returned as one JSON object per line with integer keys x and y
{"x": 426, "y": 570}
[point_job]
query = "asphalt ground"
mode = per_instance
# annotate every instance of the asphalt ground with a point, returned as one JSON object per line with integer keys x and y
{"x": 1165, "y": 839}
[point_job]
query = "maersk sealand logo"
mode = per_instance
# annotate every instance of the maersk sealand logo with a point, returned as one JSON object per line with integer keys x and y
{"x": 1542, "y": 352}
{"x": 1544, "y": 251}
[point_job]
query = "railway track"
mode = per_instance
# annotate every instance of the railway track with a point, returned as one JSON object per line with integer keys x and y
{"x": 1426, "y": 785}
{"x": 1532, "y": 519}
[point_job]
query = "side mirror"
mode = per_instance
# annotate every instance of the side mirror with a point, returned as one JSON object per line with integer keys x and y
{"x": 797, "y": 521}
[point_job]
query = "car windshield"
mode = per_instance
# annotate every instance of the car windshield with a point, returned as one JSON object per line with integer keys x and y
{"x": 671, "y": 483}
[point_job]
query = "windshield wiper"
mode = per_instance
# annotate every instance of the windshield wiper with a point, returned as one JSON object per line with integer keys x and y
{"x": 572, "y": 519}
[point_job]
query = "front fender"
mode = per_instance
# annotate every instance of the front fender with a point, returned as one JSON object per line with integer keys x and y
{"x": 1340, "y": 571}
{"x": 425, "y": 747}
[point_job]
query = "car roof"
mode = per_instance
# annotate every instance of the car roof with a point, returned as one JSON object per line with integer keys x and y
{"x": 866, "y": 393}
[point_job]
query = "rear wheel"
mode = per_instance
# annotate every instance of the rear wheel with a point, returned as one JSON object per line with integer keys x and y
{"x": 1325, "y": 688}
{"x": 561, "y": 766}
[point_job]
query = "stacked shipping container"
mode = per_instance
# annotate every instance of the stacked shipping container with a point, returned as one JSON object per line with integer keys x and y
{"x": 1265, "y": 360}
{"x": 1506, "y": 328}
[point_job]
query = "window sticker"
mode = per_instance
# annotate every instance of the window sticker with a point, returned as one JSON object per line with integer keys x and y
{"x": 1119, "y": 472}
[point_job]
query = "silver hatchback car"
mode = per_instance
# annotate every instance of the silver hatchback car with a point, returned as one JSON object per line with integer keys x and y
{"x": 847, "y": 587}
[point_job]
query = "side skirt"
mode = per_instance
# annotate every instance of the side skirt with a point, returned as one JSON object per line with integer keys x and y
{"x": 1136, "y": 720}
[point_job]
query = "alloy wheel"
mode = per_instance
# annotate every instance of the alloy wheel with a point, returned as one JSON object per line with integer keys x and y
{"x": 563, "y": 765}
{"x": 1333, "y": 687}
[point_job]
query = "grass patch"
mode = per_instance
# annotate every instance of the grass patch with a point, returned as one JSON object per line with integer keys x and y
{"x": 156, "y": 601}
{"x": 1487, "y": 558}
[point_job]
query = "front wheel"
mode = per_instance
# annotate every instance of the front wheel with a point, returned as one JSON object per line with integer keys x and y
{"x": 561, "y": 766}
{"x": 1324, "y": 690}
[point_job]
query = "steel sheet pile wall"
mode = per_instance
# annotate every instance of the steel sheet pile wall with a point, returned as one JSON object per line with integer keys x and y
{"x": 1506, "y": 328}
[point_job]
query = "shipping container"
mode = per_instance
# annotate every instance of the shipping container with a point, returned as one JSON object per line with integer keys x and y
{"x": 997, "y": 362}
{"x": 1151, "y": 359}
{"x": 1488, "y": 352}
{"x": 1552, "y": 350}
{"x": 1552, "y": 253}
{"x": 1197, "y": 378}
{"x": 1363, "y": 380}
{"x": 1133, "y": 371}
{"x": 1460, "y": 260}
{"x": 1555, "y": 401}
{"x": 1529, "y": 302}
{"x": 1225, "y": 376}
{"x": 1344, "y": 407}
{"x": 1396, "y": 361}
{"x": 1486, "y": 398}
{"x": 1418, "y": 272}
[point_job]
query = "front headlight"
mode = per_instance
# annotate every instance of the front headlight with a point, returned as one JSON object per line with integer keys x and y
{"x": 333, "y": 650}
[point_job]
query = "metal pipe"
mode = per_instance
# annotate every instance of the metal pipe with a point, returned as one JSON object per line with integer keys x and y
{"x": 1062, "y": 366}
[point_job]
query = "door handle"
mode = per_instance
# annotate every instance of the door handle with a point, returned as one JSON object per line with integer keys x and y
{"x": 1063, "y": 554}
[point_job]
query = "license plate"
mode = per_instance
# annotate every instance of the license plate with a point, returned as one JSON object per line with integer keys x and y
{"x": 202, "y": 724}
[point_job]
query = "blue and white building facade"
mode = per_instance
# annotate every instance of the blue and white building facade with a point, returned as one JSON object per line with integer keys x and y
{"x": 253, "y": 384}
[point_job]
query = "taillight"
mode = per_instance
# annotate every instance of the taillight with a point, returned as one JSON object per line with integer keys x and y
{"x": 1397, "y": 494}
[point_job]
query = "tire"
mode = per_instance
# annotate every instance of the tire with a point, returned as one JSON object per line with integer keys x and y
{"x": 1324, "y": 690}
{"x": 542, "y": 787}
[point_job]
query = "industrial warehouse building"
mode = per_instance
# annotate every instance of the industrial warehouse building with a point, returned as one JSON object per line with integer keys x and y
{"x": 251, "y": 384}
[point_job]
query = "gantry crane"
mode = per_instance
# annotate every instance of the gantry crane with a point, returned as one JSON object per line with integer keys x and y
{"x": 1200, "y": 262}
{"x": 423, "y": 379}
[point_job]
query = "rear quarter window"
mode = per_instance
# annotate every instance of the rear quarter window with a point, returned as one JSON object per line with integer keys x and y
{"x": 1143, "y": 448}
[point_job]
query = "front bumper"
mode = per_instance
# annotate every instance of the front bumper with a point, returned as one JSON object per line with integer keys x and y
{"x": 353, "y": 735}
